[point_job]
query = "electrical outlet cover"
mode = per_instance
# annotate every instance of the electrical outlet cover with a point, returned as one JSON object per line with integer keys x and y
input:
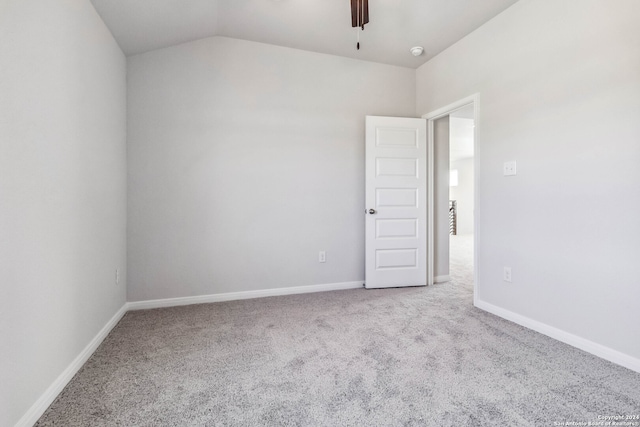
{"x": 509, "y": 168}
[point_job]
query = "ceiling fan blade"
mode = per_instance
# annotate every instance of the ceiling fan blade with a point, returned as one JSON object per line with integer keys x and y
{"x": 359, "y": 13}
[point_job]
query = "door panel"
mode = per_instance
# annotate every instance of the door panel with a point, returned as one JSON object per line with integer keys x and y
{"x": 396, "y": 195}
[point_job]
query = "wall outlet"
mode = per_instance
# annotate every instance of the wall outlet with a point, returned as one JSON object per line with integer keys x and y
{"x": 506, "y": 274}
{"x": 322, "y": 256}
{"x": 509, "y": 168}
{"x": 117, "y": 276}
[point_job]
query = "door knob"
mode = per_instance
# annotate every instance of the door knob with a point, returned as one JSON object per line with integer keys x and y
{"x": 372, "y": 211}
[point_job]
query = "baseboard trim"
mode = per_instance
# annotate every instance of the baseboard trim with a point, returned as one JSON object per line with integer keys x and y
{"x": 596, "y": 349}
{"x": 440, "y": 279}
{"x": 232, "y": 296}
{"x": 47, "y": 398}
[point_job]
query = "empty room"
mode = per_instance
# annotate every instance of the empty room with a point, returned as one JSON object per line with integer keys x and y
{"x": 319, "y": 212}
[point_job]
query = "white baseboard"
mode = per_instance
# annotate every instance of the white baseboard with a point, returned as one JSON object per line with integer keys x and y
{"x": 596, "y": 349}
{"x": 440, "y": 279}
{"x": 47, "y": 398}
{"x": 231, "y": 296}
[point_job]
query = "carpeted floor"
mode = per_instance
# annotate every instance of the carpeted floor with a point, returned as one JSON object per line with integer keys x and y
{"x": 394, "y": 357}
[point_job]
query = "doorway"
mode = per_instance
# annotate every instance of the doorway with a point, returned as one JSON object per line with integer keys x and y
{"x": 461, "y": 194}
{"x": 453, "y": 149}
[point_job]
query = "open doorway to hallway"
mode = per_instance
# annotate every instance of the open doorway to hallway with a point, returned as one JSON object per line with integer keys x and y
{"x": 461, "y": 195}
{"x": 453, "y": 147}
{"x": 453, "y": 255}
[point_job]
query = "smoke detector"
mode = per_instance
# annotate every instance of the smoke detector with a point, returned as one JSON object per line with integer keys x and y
{"x": 416, "y": 51}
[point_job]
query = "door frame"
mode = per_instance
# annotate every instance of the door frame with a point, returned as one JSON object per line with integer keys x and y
{"x": 431, "y": 118}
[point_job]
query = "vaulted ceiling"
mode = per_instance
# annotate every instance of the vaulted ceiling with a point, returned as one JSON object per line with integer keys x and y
{"x": 315, "y": 25}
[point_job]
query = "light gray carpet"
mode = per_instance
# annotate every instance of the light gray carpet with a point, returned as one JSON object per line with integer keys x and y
{"x": 395, "y": 357}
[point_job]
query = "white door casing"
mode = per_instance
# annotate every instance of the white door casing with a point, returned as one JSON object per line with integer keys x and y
{"x": 396, "y": 208}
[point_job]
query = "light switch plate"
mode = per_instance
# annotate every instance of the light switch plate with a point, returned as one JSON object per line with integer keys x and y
{"x": 509, "y": 168}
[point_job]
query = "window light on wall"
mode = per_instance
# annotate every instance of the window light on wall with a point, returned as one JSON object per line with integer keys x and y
{"x": 453, "y": 178}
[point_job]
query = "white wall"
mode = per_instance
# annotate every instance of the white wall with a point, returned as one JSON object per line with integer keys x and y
{"x": 245, "y": 160}
{"x": 463, "y": 195}
{"x": 559, "y": 85}
{"x": 62, "y": 191}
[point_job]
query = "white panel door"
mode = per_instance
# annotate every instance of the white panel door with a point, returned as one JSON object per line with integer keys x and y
{"x": 396, "y": 195}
